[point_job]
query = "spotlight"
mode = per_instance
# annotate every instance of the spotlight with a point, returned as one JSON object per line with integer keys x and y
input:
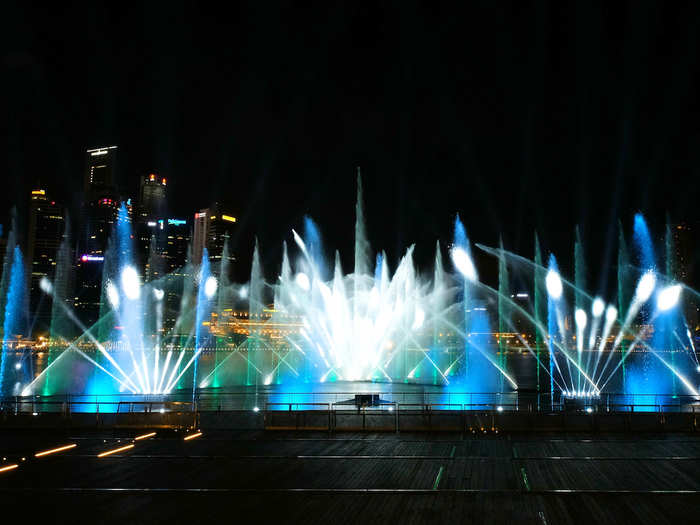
{"x": 210, "y": 286}
{"x": 668, "y": 297}
{"x": 243, "y": 292}
{"x": 645, "y": 287}
{"x": 589, "y": 410}
{"x": 256, "y": 409}
{"x": 45, "y": 285}
{"x": 500, "y": 409}
{"x": 598, "y": 307}
{"x": 131, "y": 283}
{"x": 581, "y": 318}
{"x": 553, "y": 283}
{"x": 18, "y": 365}
{"x": 464, "y": 264}
{"x": 113, "y": 295}
{"x": 610, "y": 314}
{"x": 302, "y": 281}
{"x": 158, "y": 294}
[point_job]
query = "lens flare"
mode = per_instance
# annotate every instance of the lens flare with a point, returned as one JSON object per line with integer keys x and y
{"x": 464, "y": 264}
{"x": 668, "y": 297}
{"x": 554, "y": 286}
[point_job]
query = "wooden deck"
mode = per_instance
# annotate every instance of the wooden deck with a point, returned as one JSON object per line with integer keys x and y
{"x": 356, "y": 478}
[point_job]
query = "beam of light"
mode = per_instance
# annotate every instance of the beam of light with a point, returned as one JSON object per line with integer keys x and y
{"x": 164, "y": 371}
{"x": 610, "y": 318}
{"x": 668, "y": 297}
{"x": 144, "y": 436}
{"x": 464, "y": 264}
{"x": 192, "y": 436}
{"x": 210, "y": 286}
{"x": 598, "y": 307}
{"x": 158, "y": 294}
{"x": 54, "y": 450}
{"x": 302, "y": 281}
{"x": 8, "y": 467}
{"x": 169, "y": 384}
{"x": 581, "y": 319}
{"x": 553, "y": 284}
{"x": 115, "y": 451}
{"x": 645, "y": 287}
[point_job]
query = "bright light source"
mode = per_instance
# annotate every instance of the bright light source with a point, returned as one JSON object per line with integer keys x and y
{"x": 144, "y": 436}
{"x": 8, "y": 467}
{"x": 192, "y": 436}
{"x": 131, "y": 283}
{"x": 268, "y": 379}
{"x": 500, "y": 409}
{"x": 554, "y": 286}
{"x": 581, "y": 318}
{"x": 589, "y": 409}
{"x": 464, "y": 263}
{"x": 598, "y": 307}
{"x": 115, "y": 451}
{"x": 45, "y": 285}
{"x": 419, "y": 318}
{"x": 645, "y": 286}
{"x": 391, "y": 409}
{"x": 256, "y": 409}
{"x": 113, "y": 295}
{"x": 610, "y": 314}
{"x": 18, "y": 365}
{"x": 210, "y": 286}
{"x": 54, "y": 450}
{"x": 668, "y": 297}
{"x": 302, "y": 281}
{"x": 243, "y": 292}
{"x": 162, "y": 411}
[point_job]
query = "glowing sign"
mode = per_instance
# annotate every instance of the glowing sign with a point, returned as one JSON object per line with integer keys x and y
{"x": 152, "y": 176}
{"x": 200, "y": 215}
{"x": 38, "y": 192}
{"x": 176, "y": 222}
{"x": 101, "y": 152}
{"x": 228, "y": 218}
{"x": 152, "y": 224}
{"x": 92, "y": 258}
{"x": 160, "y": 223}
{"x": 164, "y": 181}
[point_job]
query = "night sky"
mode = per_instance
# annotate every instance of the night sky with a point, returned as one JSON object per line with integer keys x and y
{"x": 519, "y": 116}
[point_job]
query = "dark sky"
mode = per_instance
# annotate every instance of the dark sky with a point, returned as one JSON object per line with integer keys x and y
{"x": 519, "y": 116}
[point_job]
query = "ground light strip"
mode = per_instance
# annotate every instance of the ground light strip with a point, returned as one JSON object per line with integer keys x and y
{"x": 144, "y": 436}
{"x": 9, "y": 467}
{"x": 114, "y": 451}
{"x": 54, "y": 450}
{"x": 192, "y": 436}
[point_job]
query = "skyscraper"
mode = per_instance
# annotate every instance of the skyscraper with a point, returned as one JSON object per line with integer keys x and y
{"x": 99, "y": 180}
{"x": 46, "y": 228}
{"x": 212, "y": 227}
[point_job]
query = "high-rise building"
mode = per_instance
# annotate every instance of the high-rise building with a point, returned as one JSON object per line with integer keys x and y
{"x": 212, "y": 227}
{"x": 152, "y": 197}
{"x": 178, "y": 235}
{"x": 46, "y": 229}
{"x": 99, "y": 180}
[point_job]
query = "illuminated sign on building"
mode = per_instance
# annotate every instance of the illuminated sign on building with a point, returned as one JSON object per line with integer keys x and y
{"x": 200, "y": 215}
{"x": 38, "y": 192}
{"x": 92, "y": 258}
{"x": 228, "y": 218}
{"x": 151, "y": 224}
{"x": 176, "y": 222}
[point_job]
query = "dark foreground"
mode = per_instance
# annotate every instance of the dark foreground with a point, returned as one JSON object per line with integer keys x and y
{"x": 264, "y": 477}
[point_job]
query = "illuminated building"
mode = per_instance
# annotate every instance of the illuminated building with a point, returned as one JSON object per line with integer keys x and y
{"x": 178, "y": 236}
{"x": 269, "y": 323}
{"x": 46, "y": 230}
{"x": 212, "y": 227}
{"x": 99, "y": 178}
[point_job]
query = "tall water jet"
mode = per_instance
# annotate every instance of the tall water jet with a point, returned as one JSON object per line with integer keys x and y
{"x": 579, "y": 294}
{"x": 255, "y": 308}
{"x": 7, "y": 263}
{"x": 503, "y": 311}
{"x": 362, "y": 248}
{"x": 554, "y": 291}
{"x": 539, "y": 304}
{"x": 208, "y": 286}
{"x": 15, "y": 318}
{"x": 624, "y": 294}
{"x": 61, "y": 327}
{"x": 461, "y": 242}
